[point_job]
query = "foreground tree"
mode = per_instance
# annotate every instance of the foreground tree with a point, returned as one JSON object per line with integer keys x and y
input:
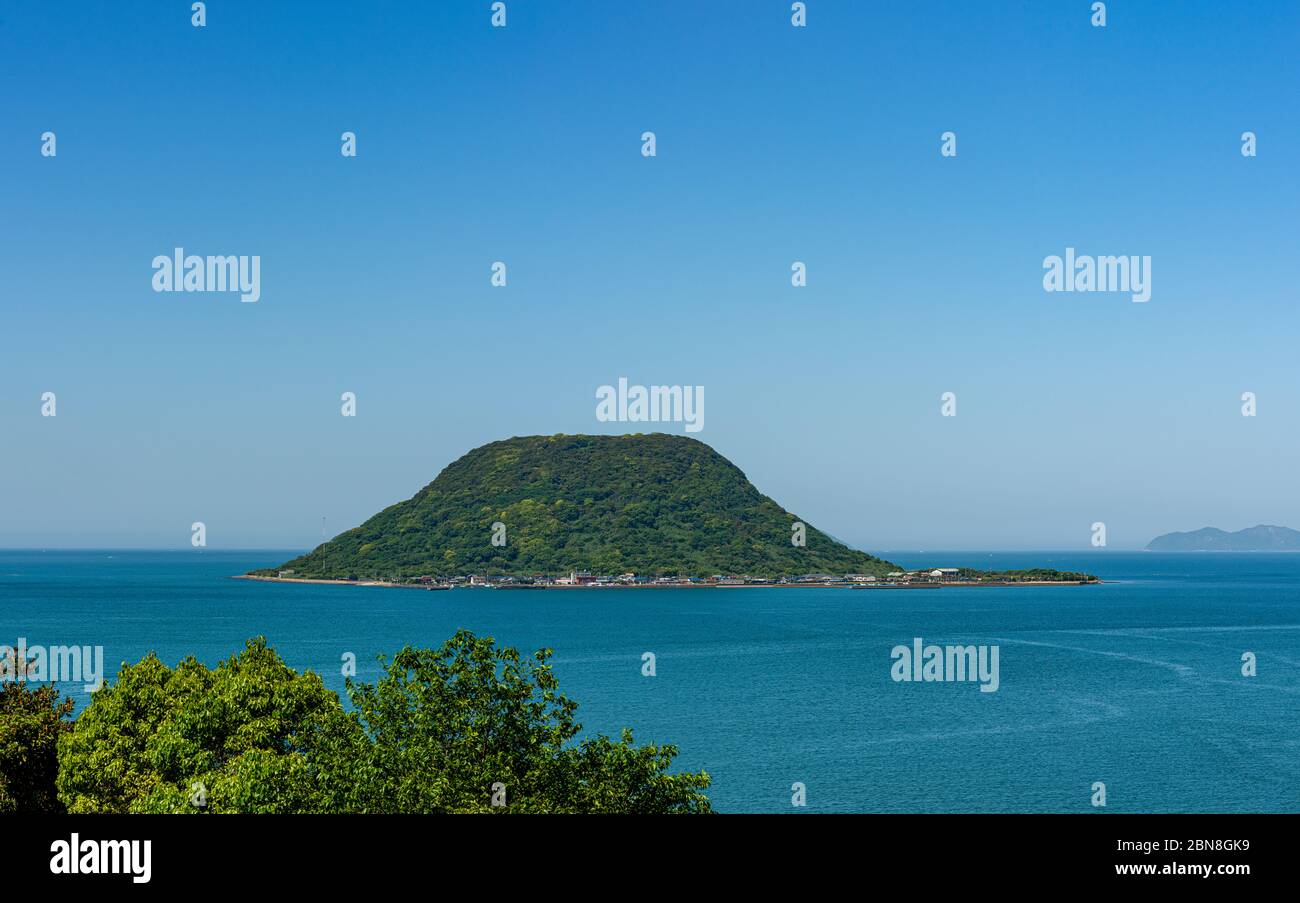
{"x": 243, "y": 737}
{"x": 476, "y": 728}
{"x": 467, "y": 728}
{"x": 31, "y": 722}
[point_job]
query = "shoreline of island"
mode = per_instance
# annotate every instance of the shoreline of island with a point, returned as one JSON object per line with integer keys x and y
{"x": 684, "y": 584}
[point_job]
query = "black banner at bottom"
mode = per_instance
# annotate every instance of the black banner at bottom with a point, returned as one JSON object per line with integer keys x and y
{"x": 333, "y": 853}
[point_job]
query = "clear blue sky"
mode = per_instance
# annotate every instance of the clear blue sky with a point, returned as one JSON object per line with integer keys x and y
{"x": 775, "y": 144}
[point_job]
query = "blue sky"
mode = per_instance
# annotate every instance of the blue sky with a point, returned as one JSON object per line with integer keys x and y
{"x": 775, "y": 144}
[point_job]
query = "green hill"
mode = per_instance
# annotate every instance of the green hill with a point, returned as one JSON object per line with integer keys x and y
{"x": 652, "y": 504}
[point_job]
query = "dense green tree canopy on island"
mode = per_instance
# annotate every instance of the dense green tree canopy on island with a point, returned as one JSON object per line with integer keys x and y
{"x": 470, "y": 727}
{"x": 650, "y": 504}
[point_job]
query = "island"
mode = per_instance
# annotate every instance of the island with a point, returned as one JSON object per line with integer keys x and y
{"x": 637, "y": 511}
{"x": 1261, "y": 538}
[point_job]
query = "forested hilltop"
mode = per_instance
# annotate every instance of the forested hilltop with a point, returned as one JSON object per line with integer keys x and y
{"x": 649, "y": 504}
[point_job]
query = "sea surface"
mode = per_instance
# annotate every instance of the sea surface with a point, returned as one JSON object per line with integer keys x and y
{"x": 1136, "y": 683}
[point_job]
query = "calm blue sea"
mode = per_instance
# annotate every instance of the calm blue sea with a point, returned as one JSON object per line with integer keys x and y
{"x": 1136, "y": 683}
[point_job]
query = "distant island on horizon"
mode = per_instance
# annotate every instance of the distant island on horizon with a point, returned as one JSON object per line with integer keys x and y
{"x": 1261, "y": 538}
{"x": 573, "y": 510}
